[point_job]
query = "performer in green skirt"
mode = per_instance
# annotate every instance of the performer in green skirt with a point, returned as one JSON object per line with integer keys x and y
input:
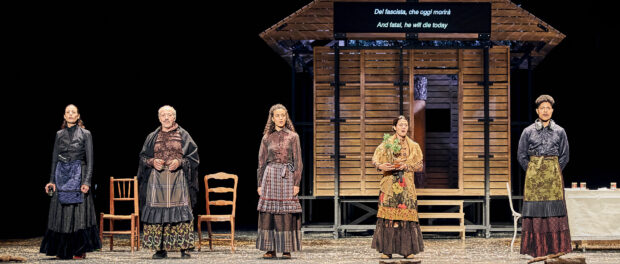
{"x": 543, "y": 154}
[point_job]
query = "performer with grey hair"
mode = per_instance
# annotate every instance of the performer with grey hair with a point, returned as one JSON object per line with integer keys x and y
{"x": 543, "y": 154}
{"x": 168, "y": 181}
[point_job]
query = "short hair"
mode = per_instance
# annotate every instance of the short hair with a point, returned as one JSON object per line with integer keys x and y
{"x": 167, "y": 107}
{"x": 401, "y": 117}
{"x": 544, "y": 98}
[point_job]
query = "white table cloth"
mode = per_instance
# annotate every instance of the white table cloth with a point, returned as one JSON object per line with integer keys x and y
{"x": 593, "y": 214}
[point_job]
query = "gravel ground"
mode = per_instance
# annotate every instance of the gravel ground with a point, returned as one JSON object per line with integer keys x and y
{"x": 317, "y": 248}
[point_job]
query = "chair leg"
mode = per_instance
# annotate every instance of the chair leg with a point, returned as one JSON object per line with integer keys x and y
{"x": 232, "y": 234}
{"x": 133, "y": 232}
{"x": 210, "y": 235}
{"x": 111, "y": 235}
{"x": 138, "y": 232}
{"x": 101, "y": 227}
{"x": 199, "y": 234}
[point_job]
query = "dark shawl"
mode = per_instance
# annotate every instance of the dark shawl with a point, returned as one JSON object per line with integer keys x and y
{"x": 189, "y": 164}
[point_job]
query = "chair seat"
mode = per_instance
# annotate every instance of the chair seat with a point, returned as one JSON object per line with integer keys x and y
{"x": 214, "y": 217}
{"x": 117, "y": 217}
{"x": 117, "y": 232}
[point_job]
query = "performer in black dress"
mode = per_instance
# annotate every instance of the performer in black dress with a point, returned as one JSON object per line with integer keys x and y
{"x": 72, "y": 223}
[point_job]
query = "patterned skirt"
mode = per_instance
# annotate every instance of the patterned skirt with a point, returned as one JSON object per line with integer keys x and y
{"x": 279, "y": 220}
{"x": 167, "y": 215}
{"x": 169, "y": 237}
{"x": 545, "y": 228}
{"x": 397, "y": 230}
{"x": 279, "y": 232}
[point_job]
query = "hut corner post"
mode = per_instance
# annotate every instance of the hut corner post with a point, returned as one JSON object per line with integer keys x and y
{"x": 487, "y": 154}
{"x": 336, "y": 139}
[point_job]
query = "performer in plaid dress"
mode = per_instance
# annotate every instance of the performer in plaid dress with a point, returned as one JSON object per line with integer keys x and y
{"x": 279, "y": 175}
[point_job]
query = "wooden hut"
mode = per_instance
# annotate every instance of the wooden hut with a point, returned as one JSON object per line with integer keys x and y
{"x": 359, "y": 90}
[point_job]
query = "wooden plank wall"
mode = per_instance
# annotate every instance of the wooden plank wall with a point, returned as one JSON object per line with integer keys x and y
{"x": 369, "y": 100}
{"x": 472, "y": 136}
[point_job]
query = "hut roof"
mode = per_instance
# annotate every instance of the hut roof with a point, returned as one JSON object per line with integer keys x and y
{"x": 510, "y": 25}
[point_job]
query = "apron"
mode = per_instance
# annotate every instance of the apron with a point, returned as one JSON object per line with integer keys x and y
{"x": 277, "y": 189}
{"x": 167, "y": 189}
{"x": 68, "y": 182}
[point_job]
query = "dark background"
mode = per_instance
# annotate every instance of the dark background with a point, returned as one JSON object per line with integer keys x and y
{"x": 119, "y": 64}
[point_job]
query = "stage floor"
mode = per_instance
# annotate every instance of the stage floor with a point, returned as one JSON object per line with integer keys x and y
{"x": 317, "y": 248}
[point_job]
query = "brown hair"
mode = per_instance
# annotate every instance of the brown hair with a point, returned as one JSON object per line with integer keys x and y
{"x": 79, "y": 122}
{"x": 270, "y": 126}
{"x": 544, "y": 98}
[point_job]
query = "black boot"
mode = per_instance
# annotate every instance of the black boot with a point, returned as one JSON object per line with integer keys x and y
{"x": 184, "y": 254}
{"x": 160, "y": 254}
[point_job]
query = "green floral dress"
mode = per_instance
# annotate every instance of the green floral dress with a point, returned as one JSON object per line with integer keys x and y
{"x": 398, "y": 230}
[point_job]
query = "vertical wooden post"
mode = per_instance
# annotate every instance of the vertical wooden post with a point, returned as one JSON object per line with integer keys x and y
{"x": 412, "y": 98}
{"x": 461, "y": 117}
{"x": 487, "y": 153}
{"x": 363, "y": 121}
{"x": 509, "y": 129}
{"x": 336, "y": 139}
{"x": 400, "y": 81}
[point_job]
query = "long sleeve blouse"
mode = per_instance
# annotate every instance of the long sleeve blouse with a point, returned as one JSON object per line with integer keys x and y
{"x": 74, "y": 143}
{"x": 281, "y": 147}
{"x": 537, "y": 140}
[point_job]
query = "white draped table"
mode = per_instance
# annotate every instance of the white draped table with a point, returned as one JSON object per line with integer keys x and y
{"x": 593, "y": 214}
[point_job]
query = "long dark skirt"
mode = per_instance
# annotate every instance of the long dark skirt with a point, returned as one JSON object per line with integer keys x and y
{"x": 397, "y": 237}
{"x": 279, "y": 232}
{"x": 541, "y": 236}
{"x": 71, "y": 229}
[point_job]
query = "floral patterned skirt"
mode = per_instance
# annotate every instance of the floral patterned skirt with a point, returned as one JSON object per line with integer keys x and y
{"x": 543, "y": 194}
{"x": 169, "y": 236}
{"x": 398, "y": 230}
{"x": 397, "y": 200}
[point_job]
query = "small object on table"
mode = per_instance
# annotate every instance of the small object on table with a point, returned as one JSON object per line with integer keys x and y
{"x": 574, "y": 185}
{"x": 582, "y": 186}
{"x": 613, "y": 186}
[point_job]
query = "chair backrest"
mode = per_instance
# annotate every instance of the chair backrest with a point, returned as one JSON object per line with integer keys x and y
{"x": 233, "y": 190}
{"x": 124, "y": 190}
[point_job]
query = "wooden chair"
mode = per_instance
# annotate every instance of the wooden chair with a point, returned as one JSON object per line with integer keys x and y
{"x": 126, "y": 191}
{"x": 219, "y": 218}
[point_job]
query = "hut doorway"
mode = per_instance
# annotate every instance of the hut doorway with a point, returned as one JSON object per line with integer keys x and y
{"x": 436, "y": 116}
